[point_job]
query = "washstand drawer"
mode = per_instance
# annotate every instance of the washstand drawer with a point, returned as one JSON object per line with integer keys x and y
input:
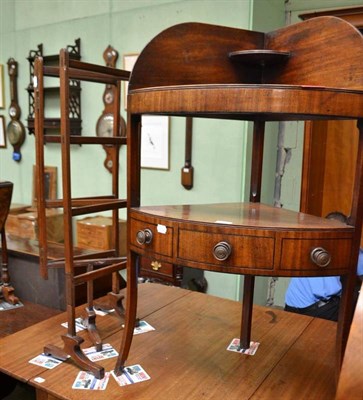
{"x": 315, "y": 254}
{"x": 155, "y": 267}
{"x": 152, "y": 237}
{"x": 240, "y": 251}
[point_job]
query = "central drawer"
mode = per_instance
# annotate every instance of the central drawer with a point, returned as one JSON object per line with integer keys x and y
{"x": 245, "y": 251}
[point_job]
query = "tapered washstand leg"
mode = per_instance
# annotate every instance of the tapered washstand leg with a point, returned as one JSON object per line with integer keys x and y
{"x": 247, "y": 306}
{"x": 130, "y": 317}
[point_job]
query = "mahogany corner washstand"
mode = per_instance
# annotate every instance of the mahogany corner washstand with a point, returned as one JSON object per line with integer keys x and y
{"x": 311, "y": 70}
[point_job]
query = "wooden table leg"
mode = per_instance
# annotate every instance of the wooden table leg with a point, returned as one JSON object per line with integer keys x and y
{"x": 346, "y": 311}
{"x": 131, "y": 309}
{"x": 247, "y": 304}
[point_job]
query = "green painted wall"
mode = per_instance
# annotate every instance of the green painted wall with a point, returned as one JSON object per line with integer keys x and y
{"x": 302, "y": 6}
{"x": 220, "y": 148}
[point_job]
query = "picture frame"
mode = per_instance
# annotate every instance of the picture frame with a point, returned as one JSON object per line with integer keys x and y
{"x": 2, "y": 90}
{"x": 50, "y": 184}
{"x": 2, "y": 132}
{"x": 129, "y": 61}
{"x": 155, "y": 142}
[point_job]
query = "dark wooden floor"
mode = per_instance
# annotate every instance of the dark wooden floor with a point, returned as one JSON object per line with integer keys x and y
{"x": 12, "y": 321}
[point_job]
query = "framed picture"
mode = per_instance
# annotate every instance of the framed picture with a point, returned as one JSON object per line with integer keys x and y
{"x": 129, "y": 61}
{"x": 2, "y": 132}
{"x": 2, "y": 91}
{"x": 155, "y": 142}
{"x": 50, "y": 184}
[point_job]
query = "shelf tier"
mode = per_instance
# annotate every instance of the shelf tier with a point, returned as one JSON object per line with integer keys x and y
{"x": 260, "y": 58}
{"x": 249, "y": 102}
{"x": 262, "y": 240}
{"x": 53, "y": 58}
{"x": 89, "y": 205}
{"x": 90, "y": 72}
{"x": 54, "y": 89}
{"x": 118, "y": 140}
{"x": 54, "y": 124}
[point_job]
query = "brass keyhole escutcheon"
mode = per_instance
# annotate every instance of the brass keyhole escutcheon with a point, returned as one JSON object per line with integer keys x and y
{"x": 155, "y": 265}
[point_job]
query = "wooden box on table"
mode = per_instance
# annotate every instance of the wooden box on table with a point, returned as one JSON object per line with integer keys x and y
{"x": 24, "y": 224}
{"x": 96, "y": 233}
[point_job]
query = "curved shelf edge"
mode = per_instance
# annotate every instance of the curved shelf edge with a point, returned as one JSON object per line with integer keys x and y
{"x": 249, "y": 102}
{"x": 260, "y": 58}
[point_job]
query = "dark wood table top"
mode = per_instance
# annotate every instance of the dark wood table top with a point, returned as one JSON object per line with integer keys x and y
{"x": 186, "y": 355}
{"x": 21, "y": 317}
{"x": 248, "y": 215}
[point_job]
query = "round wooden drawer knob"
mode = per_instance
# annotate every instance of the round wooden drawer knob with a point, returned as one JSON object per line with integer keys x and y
{"x": 320, "y": 257}
{"x": 144, "y": 236}
{"x": 222, "y": 251}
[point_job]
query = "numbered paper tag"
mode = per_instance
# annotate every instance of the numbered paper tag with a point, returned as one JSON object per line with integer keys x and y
{"x": 87, "y": 381}
{"x": 45, "y": 361}
{"x": 131, "y": 374}
{"x": 79, "y": 324}
{"x": 234, "y": 346}
{"x": 143, "y": 328}
{"x": 4, "y": 305}
{"x": 107, "y": 352}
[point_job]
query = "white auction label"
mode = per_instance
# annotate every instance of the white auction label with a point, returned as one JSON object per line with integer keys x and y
{"x": 161, "y": 228}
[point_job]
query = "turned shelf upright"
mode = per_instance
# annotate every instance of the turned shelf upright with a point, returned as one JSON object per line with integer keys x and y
{"x": 307, "y": 71}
